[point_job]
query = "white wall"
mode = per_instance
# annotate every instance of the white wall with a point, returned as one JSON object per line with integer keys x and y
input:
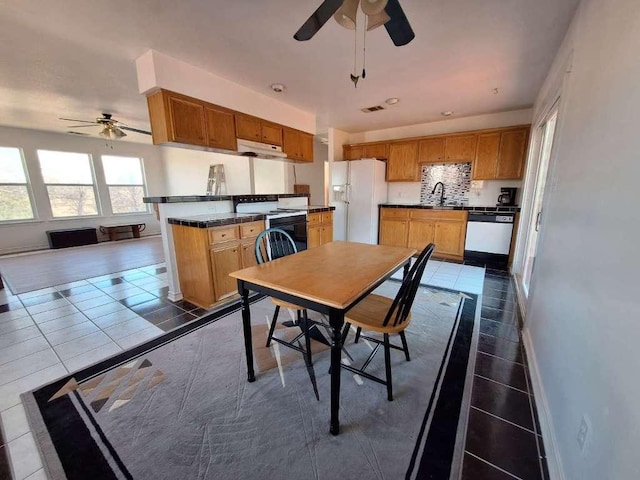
{"x": 31, "y": 235}
{"x": 311, "y": 174}
{"x": 583, "y": 315}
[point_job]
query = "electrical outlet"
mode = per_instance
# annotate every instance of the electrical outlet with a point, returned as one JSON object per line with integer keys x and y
{"x": 583, "y": 432}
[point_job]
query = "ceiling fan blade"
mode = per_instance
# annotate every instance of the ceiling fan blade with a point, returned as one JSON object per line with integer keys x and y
{"x": 74, "y": 120}
{"x": 315, "y": 22}
{"x": 82, "y": 126}
{"x": 131, "y": 129}
{"x": 398, "y": 27}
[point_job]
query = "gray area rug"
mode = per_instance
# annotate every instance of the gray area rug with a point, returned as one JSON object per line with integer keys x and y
{"x": 184, "y": 410}
{"x": 33, "y": 271}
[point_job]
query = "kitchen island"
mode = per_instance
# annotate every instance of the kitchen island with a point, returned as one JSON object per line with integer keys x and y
{"x": 203, "y": 239}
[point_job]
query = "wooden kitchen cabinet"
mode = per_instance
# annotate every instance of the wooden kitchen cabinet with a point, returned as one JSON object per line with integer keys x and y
{"x": 513, "y": 151}
{"x": 206, "y": 256}
{"x": 379, "y": 150}
{"x": 501, "y": 155}
{"x": 257, "y": 130}
{"x": 402, "y": 164}
{"x": 460, "y": 148}
{"x": 297, "y": 145}
{"x": 416, "y": 228}
{"x": 352, "y": 152}
{"x": 176, "y": 118}
{"x": 225, "y": 258}
{"x": 319, "y": 229}
{"x": 221, "y": 130}
{"x": 394, "y": 227}
{"x": 431, "y": 150}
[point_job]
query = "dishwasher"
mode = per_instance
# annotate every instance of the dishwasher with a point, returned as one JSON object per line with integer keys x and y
{"x": 488, "y": 240}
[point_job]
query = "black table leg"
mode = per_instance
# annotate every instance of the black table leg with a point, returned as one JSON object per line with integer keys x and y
{"x": 406, "y": 269}
{"x": 246, "y": 326}
{"x": 336, "y": 320}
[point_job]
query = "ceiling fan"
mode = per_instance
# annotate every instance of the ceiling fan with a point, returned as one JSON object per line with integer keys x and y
{"x": 379, "y": 12}
{"x": 111, "y": 128}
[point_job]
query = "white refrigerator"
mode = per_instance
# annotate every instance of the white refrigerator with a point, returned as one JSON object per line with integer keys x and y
{"x": 357, "y": 187}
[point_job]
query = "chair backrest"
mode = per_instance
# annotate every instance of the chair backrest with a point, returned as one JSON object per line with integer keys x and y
{"x": 273, "y": 243}
{"x": 401, "y": 305}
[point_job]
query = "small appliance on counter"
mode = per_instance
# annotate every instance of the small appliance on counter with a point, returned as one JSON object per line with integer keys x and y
{"x": 507, "y": 197}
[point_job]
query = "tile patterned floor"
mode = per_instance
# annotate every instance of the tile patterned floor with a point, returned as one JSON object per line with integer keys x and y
{"x": 503, "y": 439}
{"x": 47, "y": 333}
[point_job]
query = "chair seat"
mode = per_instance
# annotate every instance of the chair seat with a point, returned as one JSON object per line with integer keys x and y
{"x": 283, "y": 304}
{"x": 370, "y": 313}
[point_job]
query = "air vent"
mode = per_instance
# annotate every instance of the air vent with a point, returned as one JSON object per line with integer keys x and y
{"x": 373, "y": 109}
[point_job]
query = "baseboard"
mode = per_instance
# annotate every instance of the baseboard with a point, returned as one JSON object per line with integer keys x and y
{"x": 554, "y": 461}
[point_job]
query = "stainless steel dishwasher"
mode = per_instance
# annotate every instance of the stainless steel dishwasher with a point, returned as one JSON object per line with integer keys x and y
{"x": 488, "y": 239}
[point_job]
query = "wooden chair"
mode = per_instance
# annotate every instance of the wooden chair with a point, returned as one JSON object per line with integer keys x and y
{"x": 272, "y": 244}
{"x": 386, "y": 316}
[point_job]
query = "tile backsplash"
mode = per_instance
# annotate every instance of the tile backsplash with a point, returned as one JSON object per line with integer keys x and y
{"x": 457, "y": 183}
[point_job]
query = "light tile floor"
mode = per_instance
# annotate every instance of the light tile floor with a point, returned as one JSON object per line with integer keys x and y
{"x": 51, "y": 332}
{"x": 48, "y": 333}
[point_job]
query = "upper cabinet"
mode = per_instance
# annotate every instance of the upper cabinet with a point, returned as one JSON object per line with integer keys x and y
{"x": 501, "y": 155}
{"x": 253, "y": 128}
{"x": 221, "y": 132}
{"x": 177, "y": 118}
{"x": 402, "y": 164}
{"x": 370, "y": 150}
{"x": 298, "y": 145}
{"x": 461, "y": 148}
{"x": 431, "y": 150}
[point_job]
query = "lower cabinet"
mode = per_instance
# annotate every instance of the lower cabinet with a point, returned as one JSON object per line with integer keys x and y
{"x": 416, "y": 228}
{"x": 319, "y": 229}
{"x": 206, "y": 256}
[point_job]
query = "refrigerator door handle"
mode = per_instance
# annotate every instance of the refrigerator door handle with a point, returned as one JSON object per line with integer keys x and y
{"x": 347, "y": 193}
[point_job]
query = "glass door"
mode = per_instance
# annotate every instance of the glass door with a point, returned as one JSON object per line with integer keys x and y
{"x": 546, "y": 133}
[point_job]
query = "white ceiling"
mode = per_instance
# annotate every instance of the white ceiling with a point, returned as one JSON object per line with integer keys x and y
{"x": 76, "y": 58}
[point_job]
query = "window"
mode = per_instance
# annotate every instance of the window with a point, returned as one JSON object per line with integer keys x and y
{"x": 15, "y": 200}
{"x": 125, "y": 181}
{"x": 69, "y": 181}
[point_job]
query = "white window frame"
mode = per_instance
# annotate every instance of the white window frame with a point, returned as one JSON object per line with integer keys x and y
{"x": 143, "y": 184}
{"x": 93, "y": 185}
{"x": 32, "y": 202}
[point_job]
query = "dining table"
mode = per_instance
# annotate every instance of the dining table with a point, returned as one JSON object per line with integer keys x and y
{"x": 329, "y": 279}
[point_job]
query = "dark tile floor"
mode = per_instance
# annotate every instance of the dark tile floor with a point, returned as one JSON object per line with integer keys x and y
{"x": 503, "y": 436}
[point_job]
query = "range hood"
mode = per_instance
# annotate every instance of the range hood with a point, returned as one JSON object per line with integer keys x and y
{"x": 247, "y": 148}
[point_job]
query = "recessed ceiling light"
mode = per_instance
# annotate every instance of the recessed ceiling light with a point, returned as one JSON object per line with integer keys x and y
{"x": 448, "y": 113}
{"x": 392, "y": 101}
{"x": 278, "y": 87}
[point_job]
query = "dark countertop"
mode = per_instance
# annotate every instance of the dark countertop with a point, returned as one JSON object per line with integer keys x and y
{"x": 212, "y": 198}
{"x": 468, "y": 208}
{"x": 220, "y": 219}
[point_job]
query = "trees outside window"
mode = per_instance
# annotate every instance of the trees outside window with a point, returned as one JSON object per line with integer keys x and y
{"x": 70, "y": 183}
{"x": 125, "y": 179}
{"x": 15, "y": 191}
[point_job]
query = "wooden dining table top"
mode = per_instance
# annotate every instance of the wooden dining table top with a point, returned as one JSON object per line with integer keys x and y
{"x": 334, "y": 274}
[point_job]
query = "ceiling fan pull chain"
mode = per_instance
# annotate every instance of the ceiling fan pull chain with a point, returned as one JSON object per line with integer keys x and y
{"x": 364, "y": 51}
{"x": 354, "y": 77}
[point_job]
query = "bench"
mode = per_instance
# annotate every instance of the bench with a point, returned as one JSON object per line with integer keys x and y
{"x": 112, "y": 230}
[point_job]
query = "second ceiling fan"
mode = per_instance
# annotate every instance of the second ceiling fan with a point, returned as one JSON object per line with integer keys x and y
{"x": 111, "y": 128}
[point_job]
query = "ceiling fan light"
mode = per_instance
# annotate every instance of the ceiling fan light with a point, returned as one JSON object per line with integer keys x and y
{"x": 116, "y": 133}
{"x": 377, "y": 20}
{"x": 373, "y": 7}
{"x": 346, "y": 14}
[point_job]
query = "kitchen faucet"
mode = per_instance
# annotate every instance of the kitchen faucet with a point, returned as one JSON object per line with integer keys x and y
{"x": 441, "y": 192}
